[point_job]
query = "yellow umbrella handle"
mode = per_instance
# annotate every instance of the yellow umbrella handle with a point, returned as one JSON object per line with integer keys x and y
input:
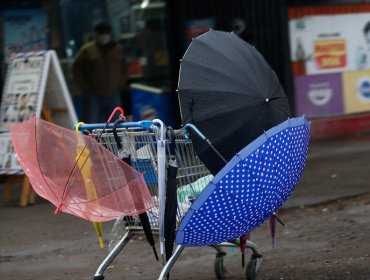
{"x": 78, "y": 125}
{"x": 99, "y": 233}
{"x": 97, "y": 226}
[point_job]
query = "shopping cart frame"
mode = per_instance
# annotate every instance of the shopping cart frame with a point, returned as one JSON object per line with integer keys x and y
{"x": 256, "y": 257}
{"x": 159, "y": 129}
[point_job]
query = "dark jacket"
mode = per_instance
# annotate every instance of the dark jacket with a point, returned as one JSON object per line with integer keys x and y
{"x": 100, "y": 70}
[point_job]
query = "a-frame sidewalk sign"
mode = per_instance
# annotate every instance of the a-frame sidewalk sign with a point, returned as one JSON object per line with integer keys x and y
{"x": 34, "y": 84}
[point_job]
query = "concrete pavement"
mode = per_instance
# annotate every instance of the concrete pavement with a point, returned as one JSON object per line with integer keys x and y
{"x": 335, "y": 169}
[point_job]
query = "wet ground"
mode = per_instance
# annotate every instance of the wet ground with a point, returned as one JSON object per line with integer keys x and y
{"x": 327, "y": 232}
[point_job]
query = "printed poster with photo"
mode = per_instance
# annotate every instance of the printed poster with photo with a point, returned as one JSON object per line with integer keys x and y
{"x": 319, "y": 95}
{"x": 8, "y": 161}
{"x": 331, "y": 43}
{"x": 21, "y": 90}
{"x": 356, "y": 86}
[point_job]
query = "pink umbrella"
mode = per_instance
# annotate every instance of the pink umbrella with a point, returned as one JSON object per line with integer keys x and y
{"x": 47, "y": 154}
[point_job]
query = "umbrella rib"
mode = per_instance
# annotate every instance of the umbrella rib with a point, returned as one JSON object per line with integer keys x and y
{"x": 275, "y": 169}
{"x": 258, "y": 181}
{"x": 92, "y": 214}
{"x": 290, "y": 156}
{"x": 74, "y": 167}
{"x": 79, "y": 209}
{"x": 94, "y": 147}
{"x": 79, "y": 156}
{"x": 106, "y": 172}
{"x": 102, "y": 197}
{"x": 242, "y": 201}
{"x": 38, "y": 162}
{"x": 76, "y": 203}
{"x": 243, "y": 95}
{"x": 246, "y": 185}
{"x": 209, "y": 70}
{"x": 222, "y": 216}
{"x": 114, "y": 216}
{"x": 228, "y": 59}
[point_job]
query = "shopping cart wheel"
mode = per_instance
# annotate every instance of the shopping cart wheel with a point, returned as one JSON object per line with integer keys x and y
{"x": 253, "y": 266}
{"x": 219, "y": 265}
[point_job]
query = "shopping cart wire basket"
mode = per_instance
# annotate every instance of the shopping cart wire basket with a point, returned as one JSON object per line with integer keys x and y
{"x": 148, "y": 145}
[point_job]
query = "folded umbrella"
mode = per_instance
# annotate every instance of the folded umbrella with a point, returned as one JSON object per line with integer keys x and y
{"x": 171, "y": 198}
{"x": 144, "y": 219}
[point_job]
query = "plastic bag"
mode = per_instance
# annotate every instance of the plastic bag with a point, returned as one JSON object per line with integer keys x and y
{"x": 117, "y": 232}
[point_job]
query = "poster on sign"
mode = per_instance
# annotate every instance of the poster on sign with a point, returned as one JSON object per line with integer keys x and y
{"x": 331, "y": 43}
{"x": 356, "y": 85}
{"x": 22, "y": 88}
{"x": 33, "y": 81}
{"x": 319, "y": 95}
{"x": 8, "y": 160}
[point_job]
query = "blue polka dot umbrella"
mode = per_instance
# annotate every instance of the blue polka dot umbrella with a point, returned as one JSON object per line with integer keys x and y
{"x": 250, "y": 187}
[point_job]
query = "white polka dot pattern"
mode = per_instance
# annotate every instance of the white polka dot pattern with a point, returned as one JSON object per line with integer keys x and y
{"x": 246, "y": 192}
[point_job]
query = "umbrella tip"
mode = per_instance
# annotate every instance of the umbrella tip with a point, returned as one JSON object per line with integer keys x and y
{"x": 155, "y": 253}
{"x": 58, "y": 209}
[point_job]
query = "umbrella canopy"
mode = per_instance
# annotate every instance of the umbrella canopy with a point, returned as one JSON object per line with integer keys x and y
{"x": 250, "y": 188}
{"x": 229, "y": 92}
{"x": 96, "y": 186}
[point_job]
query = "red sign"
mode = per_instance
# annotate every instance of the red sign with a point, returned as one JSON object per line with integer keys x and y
{"x": 330, "y": 54}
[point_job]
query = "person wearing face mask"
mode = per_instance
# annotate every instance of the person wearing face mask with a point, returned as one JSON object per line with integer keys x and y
{"x": 100, "y": 72}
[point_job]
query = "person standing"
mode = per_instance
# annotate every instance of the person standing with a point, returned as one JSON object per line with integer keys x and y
{"x": 100, "y": 72}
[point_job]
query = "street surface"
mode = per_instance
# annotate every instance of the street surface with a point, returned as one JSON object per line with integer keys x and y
{"x": 326, "y": 234}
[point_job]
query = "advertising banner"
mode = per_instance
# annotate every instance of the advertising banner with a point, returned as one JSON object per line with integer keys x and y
{"x": 8, "y": 160}
{"x": 33, "y": 81}
{"x": 356, "y": 87}
{"x": 21, "y": 91}
{"x": 319, "y": 95}
{"x": 331, "y": 43}
{"x": 25, "y": 30}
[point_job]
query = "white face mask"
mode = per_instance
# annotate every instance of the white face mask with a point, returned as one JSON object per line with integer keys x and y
{"x": 104, "y": 39}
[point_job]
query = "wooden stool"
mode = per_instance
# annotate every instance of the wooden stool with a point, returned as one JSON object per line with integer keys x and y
{"x": 27, "y": 195}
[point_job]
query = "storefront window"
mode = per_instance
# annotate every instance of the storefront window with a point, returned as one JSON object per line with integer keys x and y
{"x": 144, "y": 39}
{"x": 77, "y": 22}
{"x": 138, "y": 25}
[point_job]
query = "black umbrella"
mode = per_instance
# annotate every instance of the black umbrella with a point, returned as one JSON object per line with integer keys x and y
{"x": 230, "y": 93}
{"x": 144, "y": 219}
{"x": 171, "y": 198}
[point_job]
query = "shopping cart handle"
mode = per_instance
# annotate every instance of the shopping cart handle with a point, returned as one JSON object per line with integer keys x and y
{"x": 91, "y": 126}
{"x": 195, "y": 129}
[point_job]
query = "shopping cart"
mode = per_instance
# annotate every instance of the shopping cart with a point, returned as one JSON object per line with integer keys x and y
{"x": 144, "y": 144}
{"x": 149, "y": 148}
{"x": 192, "y": 178}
